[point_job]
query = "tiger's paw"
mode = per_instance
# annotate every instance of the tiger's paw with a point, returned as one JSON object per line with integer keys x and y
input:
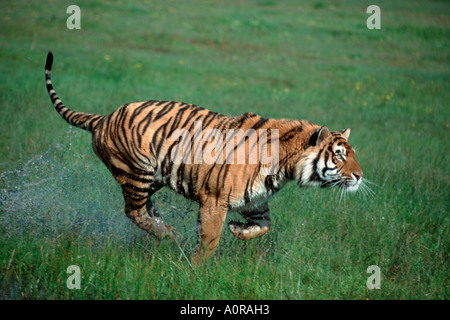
{"x": 164, "y": 231}
{"x": 246, "y": 231}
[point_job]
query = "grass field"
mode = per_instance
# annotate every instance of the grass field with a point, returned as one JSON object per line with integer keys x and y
{"x": 315, "y": 60}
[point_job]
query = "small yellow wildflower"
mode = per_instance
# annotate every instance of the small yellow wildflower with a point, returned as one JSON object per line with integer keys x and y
{"x": 389, "y": 96}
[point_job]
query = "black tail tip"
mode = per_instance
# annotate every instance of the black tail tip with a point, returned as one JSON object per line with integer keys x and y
{"x": 49, "y": 62}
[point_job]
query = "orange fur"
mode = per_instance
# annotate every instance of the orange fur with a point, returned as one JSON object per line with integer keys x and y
{"x": 135, "y": 143}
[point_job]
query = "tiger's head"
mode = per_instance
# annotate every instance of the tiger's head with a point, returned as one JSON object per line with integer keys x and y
{"x": 329, "y": 161}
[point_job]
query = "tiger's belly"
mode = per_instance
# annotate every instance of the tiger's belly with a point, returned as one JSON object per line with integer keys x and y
{"x": 235, "y": 186}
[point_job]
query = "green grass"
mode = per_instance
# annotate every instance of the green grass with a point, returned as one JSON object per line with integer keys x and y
{"x": 316, "y": 60}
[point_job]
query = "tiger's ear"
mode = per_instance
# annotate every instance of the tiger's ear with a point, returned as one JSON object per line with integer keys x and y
{"x": 319, "y": 136}
{"x": 346, "y": 133}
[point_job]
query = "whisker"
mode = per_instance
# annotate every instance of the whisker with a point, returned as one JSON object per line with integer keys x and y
{"x": 366, "y": 190}
{"x": 369, "y": 189}
{"x": 341, "y": 193}
{"x": 364, "y": 180}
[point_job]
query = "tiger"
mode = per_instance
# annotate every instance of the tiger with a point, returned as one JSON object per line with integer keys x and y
{"x": 136, "y": 144}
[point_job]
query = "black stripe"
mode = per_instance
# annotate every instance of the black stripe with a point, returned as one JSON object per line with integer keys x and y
{"x": 129, "y": 144}
{"x": 192, "y": 114}
{"x": 120, "y": 137}
{"x": 290, "y": 134}
{"x": 93, "y": 120}
{"x": 165, "y": 110}
{"x": 246, "y": 193}
{"x": 176, "y": 122}
{"x": 180, "y": 174}
{"x": 64, "y": 113}
{"x": 228, "y": 198}
{"x": 135, "y": 206}
{"x": 254, "y": 217}
{"x": 160, "y": 103}
{"x": 191, "y": 190}
{"x": 120, "y": 172}
{"x": 136, "y": 150}
{"x": 134, "y": 188}
{"x": 210, "y": 117}
{"x": 147, "y": 123}
{"x": 269, "y": 183}
{"x": 161, "y": 139}
{"x": 138, "y": 111}
{"x": 315, "y": 176}
{"x": 49, "y": 61}
{"x": 262, "y": 121}
{"x": 134, "y": 197}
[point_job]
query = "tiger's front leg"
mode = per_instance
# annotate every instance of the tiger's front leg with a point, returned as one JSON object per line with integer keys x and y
{"x": 258, "y": 223}
{"x": 211, "y": 218}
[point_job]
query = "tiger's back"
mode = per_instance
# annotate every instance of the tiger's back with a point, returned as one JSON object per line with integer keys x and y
{"x": 137, "y": 138}
{"x": 224, "y": 163}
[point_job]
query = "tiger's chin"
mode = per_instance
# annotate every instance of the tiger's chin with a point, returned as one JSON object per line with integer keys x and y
{"x": 350, "y": 186}
{"x": 345, "y": 184}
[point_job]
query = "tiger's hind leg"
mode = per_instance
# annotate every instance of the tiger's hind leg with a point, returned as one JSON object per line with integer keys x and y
{"x": 258, "y": 223}
{"x": 140, "y": 210}
{"x": 136, "y": 180}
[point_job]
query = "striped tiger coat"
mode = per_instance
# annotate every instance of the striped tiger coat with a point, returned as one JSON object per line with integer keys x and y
{"x": 136, "y": 144}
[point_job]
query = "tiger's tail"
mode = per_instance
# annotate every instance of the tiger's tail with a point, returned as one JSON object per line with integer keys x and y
{"x": 86, "y": 121}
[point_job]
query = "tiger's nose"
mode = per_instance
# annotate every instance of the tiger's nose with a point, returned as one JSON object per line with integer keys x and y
{"x": 358, "y": 175}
